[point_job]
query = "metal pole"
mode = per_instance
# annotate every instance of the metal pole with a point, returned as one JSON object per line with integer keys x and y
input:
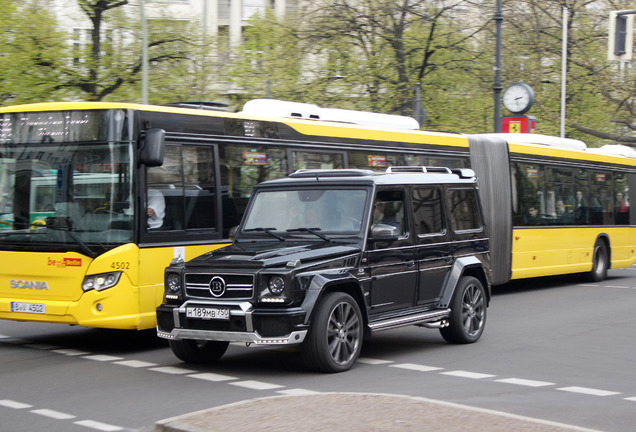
{"x": 144, "y": 55}
{"x": 498, "y": 87}
{"x": 564, "y": 65}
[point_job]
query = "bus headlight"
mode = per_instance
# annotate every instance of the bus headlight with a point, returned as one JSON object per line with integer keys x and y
{"x": 100, "y": 282}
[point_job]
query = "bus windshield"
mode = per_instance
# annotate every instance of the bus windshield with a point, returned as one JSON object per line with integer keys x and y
{"x": 57, "y": 194}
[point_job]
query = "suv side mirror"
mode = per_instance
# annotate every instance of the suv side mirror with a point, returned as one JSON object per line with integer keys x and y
{"x": 232, "y": 232}
{"x": 152, "y": 150}
{"x": 384, "y": 232}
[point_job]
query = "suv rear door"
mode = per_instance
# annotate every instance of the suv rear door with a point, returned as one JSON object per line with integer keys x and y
{"x": 433, "y": 251}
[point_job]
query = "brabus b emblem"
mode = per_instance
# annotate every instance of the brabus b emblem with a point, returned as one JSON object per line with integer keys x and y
{"x": 217, "y": 286}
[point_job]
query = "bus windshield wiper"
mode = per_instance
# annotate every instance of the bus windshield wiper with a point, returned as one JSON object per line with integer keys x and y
{"x": 58, "y": 227}
{"x": 313, "y": 231}
{"x": 268, "y": 231}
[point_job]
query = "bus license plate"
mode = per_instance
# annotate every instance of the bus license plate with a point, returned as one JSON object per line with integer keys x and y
{"x": 208, "y": 313}
{"x": 35, "y": 308}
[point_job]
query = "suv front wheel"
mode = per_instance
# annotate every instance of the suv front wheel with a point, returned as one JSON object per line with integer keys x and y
{"x": 468, "y": 312}
{"x": 334, "y": 341}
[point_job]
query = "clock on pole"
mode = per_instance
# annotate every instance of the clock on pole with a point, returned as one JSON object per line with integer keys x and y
{"x": 518, "y": 98}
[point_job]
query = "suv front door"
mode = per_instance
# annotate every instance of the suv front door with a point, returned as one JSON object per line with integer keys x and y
{"x": 391, "y": 263}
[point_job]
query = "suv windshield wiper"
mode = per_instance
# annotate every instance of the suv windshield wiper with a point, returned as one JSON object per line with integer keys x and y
{"x": 266, "y": 230}
{"x": 313, "y": 231}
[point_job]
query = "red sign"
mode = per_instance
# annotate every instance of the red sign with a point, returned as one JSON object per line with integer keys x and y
{"x": 519, "y": 124}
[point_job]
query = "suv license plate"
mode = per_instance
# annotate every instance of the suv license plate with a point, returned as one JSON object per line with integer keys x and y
{"x": 208, "y": 313}
{"x": 35, "y": 308}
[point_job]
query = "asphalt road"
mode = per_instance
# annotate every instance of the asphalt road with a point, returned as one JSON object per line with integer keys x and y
{"x": 559, "y": 350}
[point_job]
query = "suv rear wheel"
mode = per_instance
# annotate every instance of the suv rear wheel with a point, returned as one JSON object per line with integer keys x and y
{"x": 468, "y": 312}
{"x": 196, "y": 351}
{"x": 334, "y": 341}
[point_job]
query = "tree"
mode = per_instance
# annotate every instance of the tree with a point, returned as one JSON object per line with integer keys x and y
{"x": 110, "y": 66}
{"x": 31, "y": 50}
{"x": 600, "y": 102}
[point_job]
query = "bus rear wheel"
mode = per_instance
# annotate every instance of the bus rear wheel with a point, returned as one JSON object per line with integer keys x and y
{"x": 196, "y": 351}
{"x": 600, "y": 262}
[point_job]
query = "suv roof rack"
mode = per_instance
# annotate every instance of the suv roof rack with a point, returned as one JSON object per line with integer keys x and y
{"x": 306, "y": 173}
{"x": 461, "y": 172}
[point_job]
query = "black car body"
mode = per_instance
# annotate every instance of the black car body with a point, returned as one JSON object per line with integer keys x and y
{"x": 323, "y": 258}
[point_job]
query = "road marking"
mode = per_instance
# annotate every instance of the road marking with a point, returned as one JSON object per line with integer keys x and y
{"x": 172, "y": 370}
{"x": 633, "y": 399}
{"x": 525, "y": 382}
{"x": 298, "y": 392}
{"x": 256, "y": 385}
{"x": 135, "y": 363}
{"x": 589, "y": 391}
{"x": 466, "y": 374}
{"x": 616, "y": 286}
{"x": 372, "y": 361}
{"x": 212, "y": 377}
{"x": 98, "y": 425}
{"x": 40, "y": 346}
{"x": 71, "y": 352}
{"x": 4, "y": 336}
{"x": 415, "y": 367}
{"x": 14, "y": 404}
{"x": 53, "y": 414}
{"x": 102, "y": 357}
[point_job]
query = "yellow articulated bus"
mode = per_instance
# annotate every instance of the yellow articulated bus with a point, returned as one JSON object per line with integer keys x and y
{"x": 96, "y": 199}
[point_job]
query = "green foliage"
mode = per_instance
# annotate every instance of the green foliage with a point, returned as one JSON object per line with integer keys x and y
{"x": 30, "y": 53}
{"x": 367, "y": 55}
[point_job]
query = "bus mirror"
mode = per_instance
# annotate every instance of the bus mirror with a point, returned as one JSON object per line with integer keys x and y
{"x": 152, "y": 150}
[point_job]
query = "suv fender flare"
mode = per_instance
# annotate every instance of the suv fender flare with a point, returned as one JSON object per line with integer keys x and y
{"x": 320, "y": 284}
{"x": 459, "y": 268}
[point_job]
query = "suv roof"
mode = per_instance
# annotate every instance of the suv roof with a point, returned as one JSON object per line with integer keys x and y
{"x": 393, "y": 175}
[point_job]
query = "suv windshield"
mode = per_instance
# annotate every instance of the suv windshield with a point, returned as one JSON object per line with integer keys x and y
{"x": 64, "y": 195}
{"x": 301, "y": 211}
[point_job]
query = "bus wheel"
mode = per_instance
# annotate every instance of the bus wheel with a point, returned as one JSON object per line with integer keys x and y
{"x": 600, "y": 262}
{"x": 334, "y": 340}
{"x": 195, "y": 351}
{"x": 468, "y": 312}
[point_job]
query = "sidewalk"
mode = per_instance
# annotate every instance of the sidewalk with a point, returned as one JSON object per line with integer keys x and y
{"x": 353, "y": 412}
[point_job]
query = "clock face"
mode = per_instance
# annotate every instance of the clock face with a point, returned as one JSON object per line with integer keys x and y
{"x": 518, "y": 98}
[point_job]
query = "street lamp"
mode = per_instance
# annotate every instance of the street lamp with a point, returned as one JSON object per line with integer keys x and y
{"x": 144, "y": 54}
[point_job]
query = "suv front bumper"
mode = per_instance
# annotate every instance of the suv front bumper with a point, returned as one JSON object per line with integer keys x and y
{"x": 263, "y": 327}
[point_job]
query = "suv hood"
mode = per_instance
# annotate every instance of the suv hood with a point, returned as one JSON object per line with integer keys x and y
{"x": 270, "y": 254}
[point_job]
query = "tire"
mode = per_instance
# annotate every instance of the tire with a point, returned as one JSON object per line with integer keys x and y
{"x": 468, "y": 312}
{"x": 334, "y": 340}
{"x": 196, "y": 351}
{"x": 600, "y": 262}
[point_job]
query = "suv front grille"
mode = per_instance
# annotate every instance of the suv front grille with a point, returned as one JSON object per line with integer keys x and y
{"x": 219, "y": 286}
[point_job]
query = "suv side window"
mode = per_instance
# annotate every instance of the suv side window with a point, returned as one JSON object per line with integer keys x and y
{"x": 464, "y": 210}
{"x": 388, "y": 209}
{"x": 427, "y": 210}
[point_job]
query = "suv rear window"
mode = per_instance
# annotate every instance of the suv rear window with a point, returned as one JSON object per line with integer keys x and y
{"x": 464, "y": 210}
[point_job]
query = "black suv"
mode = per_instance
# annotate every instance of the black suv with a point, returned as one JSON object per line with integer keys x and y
{"x": 323, "y": 258}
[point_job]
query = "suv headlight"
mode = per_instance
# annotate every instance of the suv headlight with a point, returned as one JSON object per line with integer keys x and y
{"x": 100, "y": 282}
{"x": 172, "y": 286}
{"x": 273, "y": 289}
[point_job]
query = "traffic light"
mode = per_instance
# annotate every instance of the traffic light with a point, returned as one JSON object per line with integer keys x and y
{"x": 621, "y": 35}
